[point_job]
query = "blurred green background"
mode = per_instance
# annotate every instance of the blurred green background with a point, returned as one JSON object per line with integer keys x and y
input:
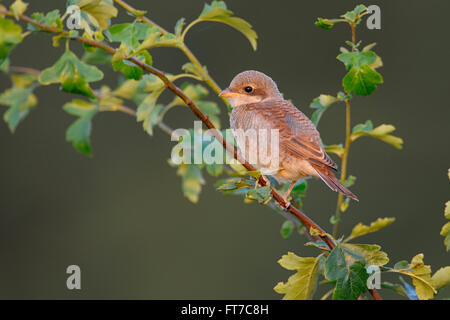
{"x": 121, "y": 215}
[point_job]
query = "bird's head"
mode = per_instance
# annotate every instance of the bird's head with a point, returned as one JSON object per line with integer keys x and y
{"x": 251, "y": 87}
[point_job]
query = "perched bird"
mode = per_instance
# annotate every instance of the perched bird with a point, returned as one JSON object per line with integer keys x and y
{"x": 258, "y": 105}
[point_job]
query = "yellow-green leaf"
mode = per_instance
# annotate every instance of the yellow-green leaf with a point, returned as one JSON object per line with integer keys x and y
{"x": 445, "y": 232}
{"x": 337, "y": 149}
{"x": 370, "y": 253}
{"x": 98, "y": 14}
{"x": 361, "y": 229}
{"x": 441, "y": 278}
{"x": 422, "y": 281}
{"x": 10, "y": 37}
{"x": 421, "y": 277}
{"x": 73, "y": 74}
{"x": 192, "y": 181}
{"x": 79, "y": 132}
{"x": 217, "y": 12}
{"x": 301, "y": 285}
{"x": 447, "y": 210}
{"x": 382, "y": 132}
{"x": 18, "y": 8}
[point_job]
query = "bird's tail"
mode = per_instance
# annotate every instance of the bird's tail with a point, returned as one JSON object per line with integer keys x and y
{"x": 332, "y": 182}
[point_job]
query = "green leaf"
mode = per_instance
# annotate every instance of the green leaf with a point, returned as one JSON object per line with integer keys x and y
{"x": 73, "y": 75}
{"x": 20, "y": 101}
{"x": 262, "y": 194}
{"x": 214, "y": 169}
{"x": 10, "y": 37}
{"x": 326, "y": 24}
{"x": 382, "y": 132}
{"x": 191, "y": 68}
{"x": 401, "y": 265}
{"x": 354, "y": 15}
{"x": 217, "y": 12}
{"x": 357, "y": 59}
{"x": 371, "y": 254}
{"x": 233, "y": 184}
{"x": 79, "y": 132}
{"x": 351, "y": 278}
{"x": 335, "y": 265}
{"x": 362, "y": 77}
{"x": 353, "y": 284}
{"x": 303, "y": 283}
{"x": 321, "y": 103}
{"x": 51, "y": 19}
{"x": 130, "y": 34}
{"x": 129, "y": 69}
{"x": 361, "y": 81}
{"x": 441, "y": 278}
{"x": 350, "y": 181}
{"x": 361, "y": 229}
{"x": 286, "y": 229}
{"x": 192, "y": 181}
{"x": 421, "y": 277}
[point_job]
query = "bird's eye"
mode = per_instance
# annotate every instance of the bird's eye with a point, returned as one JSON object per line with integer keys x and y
{"x": 248, "y": 89}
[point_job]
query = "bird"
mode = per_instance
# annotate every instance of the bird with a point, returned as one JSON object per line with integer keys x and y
{"x": 257, "y": 104}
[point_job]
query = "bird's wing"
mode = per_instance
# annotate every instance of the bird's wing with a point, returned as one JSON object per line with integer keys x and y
{"x": 298, "y": 135}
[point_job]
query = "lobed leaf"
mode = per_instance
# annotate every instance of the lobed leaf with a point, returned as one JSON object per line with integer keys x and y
{"x": 350, "y": 276}
{"x": 421, "y": 277}
{"x": 217, "y": 12}
{"x": 192, "y": 181}
{"x": 73, "y": 75}
{"x": 20, "y": 101}
{"x": 361, "y": 229}
{"x": 95, "y": 14}
{"x": 50, "y": 19}
{"x": 79, "y": 132}
{"x": 382, "y": 132}
{"x": 371, "y": 254}
{"x": 303, "y": 283}
{"x": 321, "y": 104}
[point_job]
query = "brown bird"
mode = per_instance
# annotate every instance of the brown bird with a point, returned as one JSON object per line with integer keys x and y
{"x": 258, "y": 105}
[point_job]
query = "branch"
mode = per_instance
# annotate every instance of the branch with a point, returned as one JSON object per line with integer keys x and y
{"x": 309, "y": 223}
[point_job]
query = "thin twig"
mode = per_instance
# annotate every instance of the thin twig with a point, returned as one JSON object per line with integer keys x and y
{"x": 343, "y": 165}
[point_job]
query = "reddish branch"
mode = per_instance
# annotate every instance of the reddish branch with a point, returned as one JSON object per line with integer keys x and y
{"x": 310, "y": 224}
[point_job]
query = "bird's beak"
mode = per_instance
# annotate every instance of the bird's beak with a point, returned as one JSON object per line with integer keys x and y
{"x": 227, "y": 93}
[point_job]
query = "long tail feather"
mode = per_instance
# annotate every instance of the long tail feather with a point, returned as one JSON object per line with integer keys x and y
{"x": 332, "y": 182}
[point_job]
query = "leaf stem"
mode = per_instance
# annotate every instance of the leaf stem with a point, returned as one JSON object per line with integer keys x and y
{"x": 343, "y": 165}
